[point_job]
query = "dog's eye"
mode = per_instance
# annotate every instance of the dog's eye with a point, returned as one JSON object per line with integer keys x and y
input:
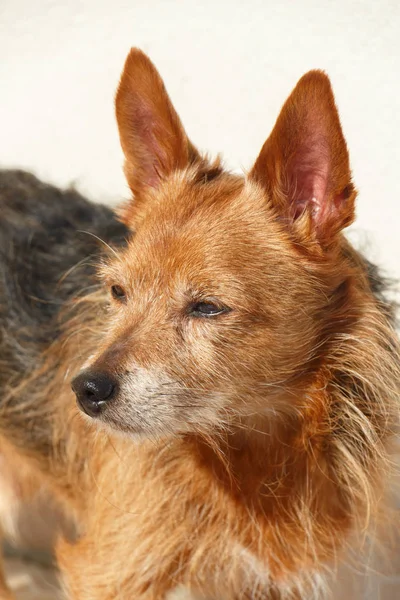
{"x": 207, "y": 309}
{"x": 118, "y": 293}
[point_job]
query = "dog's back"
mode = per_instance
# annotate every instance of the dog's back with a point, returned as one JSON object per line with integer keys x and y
{"x": 49, "y": 242}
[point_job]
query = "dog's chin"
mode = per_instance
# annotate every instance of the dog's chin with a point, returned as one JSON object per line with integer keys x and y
{"x": 136, "y": 434}
{"x": 134, "y": 428}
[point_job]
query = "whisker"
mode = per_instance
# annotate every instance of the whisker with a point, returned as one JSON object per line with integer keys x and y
{"x": 99, "y": 239}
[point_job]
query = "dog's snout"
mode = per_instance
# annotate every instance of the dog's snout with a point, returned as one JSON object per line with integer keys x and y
{"x": 93, "y": 391}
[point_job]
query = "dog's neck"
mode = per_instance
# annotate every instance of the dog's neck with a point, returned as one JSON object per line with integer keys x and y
{"x": 260, "y": 453}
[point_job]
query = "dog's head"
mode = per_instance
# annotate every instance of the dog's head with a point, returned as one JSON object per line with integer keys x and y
{"x": 218, "y": 304}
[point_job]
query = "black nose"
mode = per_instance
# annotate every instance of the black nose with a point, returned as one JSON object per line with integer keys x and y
{"x": 93, "y": 390}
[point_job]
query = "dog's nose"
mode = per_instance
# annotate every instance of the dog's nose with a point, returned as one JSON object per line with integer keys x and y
{"x": 93, "y": 391}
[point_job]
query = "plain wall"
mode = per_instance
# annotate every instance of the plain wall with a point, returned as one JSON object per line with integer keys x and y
{"x": 228, "y": 66}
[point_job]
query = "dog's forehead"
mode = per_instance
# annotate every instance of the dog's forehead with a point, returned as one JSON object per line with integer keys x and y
{"x": 221, "y": 210}
{"x": 223, "y": 227}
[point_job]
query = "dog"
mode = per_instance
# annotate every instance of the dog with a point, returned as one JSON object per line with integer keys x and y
{"x": 235, "y": 366}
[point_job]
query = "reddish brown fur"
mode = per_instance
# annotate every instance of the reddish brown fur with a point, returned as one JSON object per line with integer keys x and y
{"x": 263, "y": 437}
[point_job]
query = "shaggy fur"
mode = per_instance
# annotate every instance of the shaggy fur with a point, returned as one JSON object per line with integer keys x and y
{"x": 246, "y": 452}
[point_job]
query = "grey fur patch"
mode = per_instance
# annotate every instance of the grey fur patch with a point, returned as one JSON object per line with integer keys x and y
{"x": 45, "y": 261}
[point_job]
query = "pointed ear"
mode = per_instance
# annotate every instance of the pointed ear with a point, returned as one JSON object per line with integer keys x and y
{"x": 152, "y": 137}
{"x": 304, "y": 164}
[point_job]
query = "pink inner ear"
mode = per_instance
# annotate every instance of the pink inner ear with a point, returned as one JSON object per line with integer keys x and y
{"x": 308, "y": 173}
{"x": 147, "y": 130}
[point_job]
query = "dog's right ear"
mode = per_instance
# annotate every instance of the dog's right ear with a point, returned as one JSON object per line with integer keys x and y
{"x": 151, "y": 133}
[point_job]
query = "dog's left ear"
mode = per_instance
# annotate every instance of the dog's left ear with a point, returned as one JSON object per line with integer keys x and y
{"x": 304, "y": 164}
{"x": 151, "y": 133}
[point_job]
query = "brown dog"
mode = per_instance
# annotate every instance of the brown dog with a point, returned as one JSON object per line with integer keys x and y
{"x": 243, "y": 385}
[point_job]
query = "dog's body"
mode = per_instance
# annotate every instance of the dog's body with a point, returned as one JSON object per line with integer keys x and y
{"x": 248, "y": 350}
